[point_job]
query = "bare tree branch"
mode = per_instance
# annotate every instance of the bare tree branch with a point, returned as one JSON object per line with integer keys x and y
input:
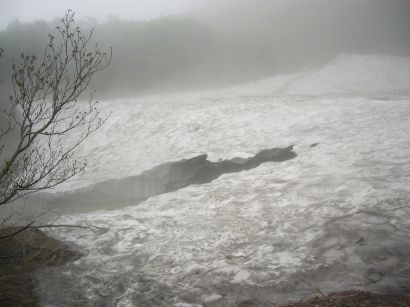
{"x": 95, "y": 229}
{"x": 17, "y": 232}
{"x": 46, "y": 110}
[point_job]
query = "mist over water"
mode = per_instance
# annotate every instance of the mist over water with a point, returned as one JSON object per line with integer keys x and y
{"x": 226, "y": 42}
{"x": 333, "y": 218}
{"x": 193, "y": 216}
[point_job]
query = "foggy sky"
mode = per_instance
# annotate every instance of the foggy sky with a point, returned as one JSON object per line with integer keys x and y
{"x": 30, "y": 10}
{"x": 222, "y": 42}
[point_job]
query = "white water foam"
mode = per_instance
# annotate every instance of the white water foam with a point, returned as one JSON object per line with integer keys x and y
{"x": 336, "y": 217}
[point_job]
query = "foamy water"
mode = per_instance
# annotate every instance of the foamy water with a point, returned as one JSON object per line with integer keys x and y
{"x": 336, "y": 217}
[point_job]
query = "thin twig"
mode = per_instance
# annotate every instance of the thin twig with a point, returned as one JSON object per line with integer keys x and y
{"x": 18, "y": 231}
{"x": 30, "y": 226}
{"x": 90, "y": 227}
{"x": 324, "y": 295}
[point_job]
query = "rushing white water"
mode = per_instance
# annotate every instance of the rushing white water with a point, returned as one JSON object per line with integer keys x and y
{"x": 337, "y": 217}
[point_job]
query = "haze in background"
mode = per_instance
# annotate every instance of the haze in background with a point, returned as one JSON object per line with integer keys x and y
{"x": 29, "y": 10}
{"x": 201, "y": 44}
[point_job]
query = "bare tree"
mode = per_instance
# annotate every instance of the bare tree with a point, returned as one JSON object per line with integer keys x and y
{"x": 45, "y": 111}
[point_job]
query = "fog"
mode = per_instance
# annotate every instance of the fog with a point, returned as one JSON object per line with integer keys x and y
{"x": 242, "y": 152}
{"x": 27, "y": 10}
{"x": 221, "y": 43}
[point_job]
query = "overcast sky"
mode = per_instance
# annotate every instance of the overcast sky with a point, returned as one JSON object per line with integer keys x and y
{"x": 29, "y": 10}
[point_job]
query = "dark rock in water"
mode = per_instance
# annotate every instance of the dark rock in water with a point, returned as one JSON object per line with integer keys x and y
{"x": 360, "y": 242}
{"x": 21, "y": 256}
{"x": 163, "y": 178}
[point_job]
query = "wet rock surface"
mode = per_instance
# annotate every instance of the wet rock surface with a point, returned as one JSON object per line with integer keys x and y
{"x": 21, "y": 256}
{"x": 164, "y": 178}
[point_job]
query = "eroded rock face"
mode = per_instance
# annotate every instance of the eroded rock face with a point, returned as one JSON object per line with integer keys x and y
{"x": 167, "y": 177}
